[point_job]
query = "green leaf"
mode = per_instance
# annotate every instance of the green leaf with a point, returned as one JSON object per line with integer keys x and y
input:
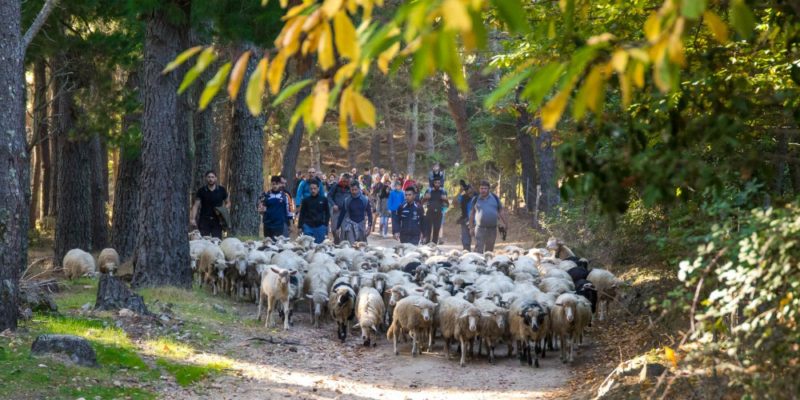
{"x": 290, "y": 91}
{"x": 213, "y": 86}
{"x": 541, "y": 82}
{"x": 181, "y": 58}
{"x": 299, "y": 111}
{"x": 513, "y": 14}
{"x": 742, "y": 18}
{"x": 190, "y": 76}
{"x": 692, "y": 9}
{"x": 203, "y": 61}
{"x": 508, "y": 83}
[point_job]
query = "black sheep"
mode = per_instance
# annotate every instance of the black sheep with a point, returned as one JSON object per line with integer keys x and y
{"x": 586, "y": 289}
{"x": 578, "y": 274}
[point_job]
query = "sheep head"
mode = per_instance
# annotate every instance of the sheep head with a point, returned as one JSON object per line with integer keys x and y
{"x": 472, "y": 315}
{"x": 533, "y": 314}
{"x": 318, "y": 298}
{"x": 425, "y": 311}
{"x": 283, "y": 275}
{"x": 396, "y": 294}
{"x": 429, "y": 292}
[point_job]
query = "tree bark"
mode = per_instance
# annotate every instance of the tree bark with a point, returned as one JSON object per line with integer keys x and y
{"x": 413, "y": 137}
{"x": 292, "y": 152}
{"x": 56, "y": 138}
{"x": 430, "y": 144}
{"x": 74, "y": 200}
{"x": 527, "y": 158}
{"x": 457, "y": 103}
{"x": 545, "y": 155}
{"x": 375, "y": 149}
{"x": 780, "y": 162}
{"x": 14, "y": 164}
{"x": 124, "y": 227}
{"x": 390, "y": 143}
{"x": 99, "y": 192}
{"x": 245, "y": 168}
{"x": 43, "y": 148}
{"x": 161, "y": 256}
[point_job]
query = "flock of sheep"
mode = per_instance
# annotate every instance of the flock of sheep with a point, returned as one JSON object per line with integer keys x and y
{"x": 530, "y": 300}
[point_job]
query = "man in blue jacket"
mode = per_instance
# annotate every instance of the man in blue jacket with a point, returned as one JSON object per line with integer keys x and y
{"x": 406, "y": 222}
{"x": 395, "y": 200}
{"x": 355, "y": 218}
{"x": 304, "y": 189}
{"x": 274, "y": 209}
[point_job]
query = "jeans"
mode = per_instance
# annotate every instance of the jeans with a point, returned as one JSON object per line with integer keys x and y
{"x": 466, "y": 238}
{"x": 484, "y": 238}
{"x": 412, "y": 238}
{"x": 319, "y": 233}
{"x": 385, "y": 224}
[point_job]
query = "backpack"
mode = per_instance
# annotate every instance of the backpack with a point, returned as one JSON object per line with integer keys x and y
{"x": 475, "y": 200}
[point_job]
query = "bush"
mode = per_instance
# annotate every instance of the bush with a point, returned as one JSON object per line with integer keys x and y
{"x": 749, "y": 305}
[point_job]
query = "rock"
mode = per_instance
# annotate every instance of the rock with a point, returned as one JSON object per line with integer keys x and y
{"x": 86, "y": 307}
{"x": 218, "y": 308}
{"x": 114, "y": 294}
{"x": 26, "y": 314}
{"x": 126, "y": 313}
{"x": 36, "y": 299}
{"x": 651, "y": 370}
{"x": 76, "y": 348}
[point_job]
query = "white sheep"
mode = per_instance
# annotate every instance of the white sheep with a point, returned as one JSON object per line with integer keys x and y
{"x": 318, "y": 282}
{"x": 412, "y": 315}
{"x": 528, "y": 326}
{"x": 236, "y": 256}
{"x": 108, "y": 261}
{"x": 458, "y": 319}
{"x": 566, "y": 324}
{"x": 493, "y": 325}
{"x": 369, "y": 312}
{"x": 275, "y": 287}
{"x": 211, "y": 266}
{"x": 557, "y": 285}
{"x": 607, "y": 285}
{"x": 77, "y": 263}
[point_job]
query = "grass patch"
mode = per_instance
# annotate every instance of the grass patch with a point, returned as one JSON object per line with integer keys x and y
{"x": 166, "y": 347}
{"x": 187, "y": 374}
{"x": 76, "y": 293}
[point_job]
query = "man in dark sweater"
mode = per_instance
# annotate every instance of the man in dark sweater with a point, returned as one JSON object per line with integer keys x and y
{"x": 436, "y": 200}
{"x": 336, "y": 196}
{"x": 406, "y": 223}
{"x": 355, "y": 218}
{"x": 274, "y": 209}
{"x": 314, "y": 214}
{"x": 206, "y": 200}
{"x": 464, "y": 200}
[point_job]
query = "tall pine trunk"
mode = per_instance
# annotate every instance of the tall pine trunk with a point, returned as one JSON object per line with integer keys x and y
{"x": 74, "y": 199}
{"x": 98, "y": 159}
{"x": 56, "y": 138}
{"x": 245, "y": 168}
{"x": 546, "y": 157}
{"x": 390, "y": 144}
{"x": 124, "y": 226}
{"x": 375, "y": 149}
{"x": 527, "y": 159}
{"x": 39, "y": 143}
{"x": 14, "y": 164}
{"x": 161, "y": 256}
{"x": 430, "y": 144}
{"x": 292, "y": 153}
{"x": 413, "y": 137}
{"x": 457, "y": 103}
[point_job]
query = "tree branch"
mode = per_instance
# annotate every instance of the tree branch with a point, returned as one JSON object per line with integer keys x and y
{"x": 37, "y": 24}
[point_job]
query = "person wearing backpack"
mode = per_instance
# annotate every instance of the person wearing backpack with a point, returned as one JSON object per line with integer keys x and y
{"x": 435, "y": 199}
{"x": 465, "y": 201}
{"x": 485, "y": 211}
{"x": 355, "y": 218}
{"x": 274, "y": 209}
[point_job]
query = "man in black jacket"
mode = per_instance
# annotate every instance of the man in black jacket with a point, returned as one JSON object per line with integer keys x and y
{"x": 314, "y": 214}
{"x": 406, "y": 224}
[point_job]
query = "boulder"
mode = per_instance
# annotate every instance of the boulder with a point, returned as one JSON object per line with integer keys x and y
{"x": 76, "y": 348}
{"x": 33, "y": 297}
{"x": 114, "y": 294}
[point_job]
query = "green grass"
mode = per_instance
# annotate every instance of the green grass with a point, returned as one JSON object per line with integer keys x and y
{"x": 76, "y": 293}
{"x": 187, "y": 374}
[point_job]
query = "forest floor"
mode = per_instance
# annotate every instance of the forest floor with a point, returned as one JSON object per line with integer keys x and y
{"x": 201, "y": 346}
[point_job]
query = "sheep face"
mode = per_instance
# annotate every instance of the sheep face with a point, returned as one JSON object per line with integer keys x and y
{"x": 533, "y": 315}
{"x": 380, "y": 283}
{"x": 425, "y": 312}
{"x": 396, "y": 294}
{"x": 429, "y": 292}
{"x": 472, "y": 315}
{"x": 283, "y": 275}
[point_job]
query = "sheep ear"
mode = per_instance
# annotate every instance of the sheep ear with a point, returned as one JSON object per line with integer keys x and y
{"x": 293, "y": 273}
{"x": 308, "y": 296}
{"x": 374, "y": 328}
{"x": 356, "y": 326}
{"x": 419, "y": 289}
{"x": 275, "y": 270}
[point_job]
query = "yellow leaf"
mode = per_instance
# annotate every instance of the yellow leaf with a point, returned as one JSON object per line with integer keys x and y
{"x": 625, "y": 87}
{"x": 344, "y": 112}
{"x": 363, "y": 110}
{"x": 343, "y": 134}
{"x": 619, "y": 60}
{"x": 238, "y": 74}
{"x": 276, "y": 72}
{"x": 331, "y": 7}
{"x": 345, "y": 36}
{"x": 213, "y": 86}
{"x": 652, "y": 27}
{"x": 291, "y": 40}
{"x": 386, "y": 57}
{"x": 785, "y": 300}
{"x": 638, "y": 75}
{"x": 345, "y": 72}
{"x": 716, "y": 26}
{"x": 312, "y": 21}
{"x": 352, "y": 6}
{"x": 456, "y": 16}
{"x": 590, "y": 94}
{"x": 675, "y": 45}
{"x": 255, "y": 87}
{"x": 551, "y": 112}
{"x": 296, "y": 10}
{"x": 325, "y": 47}
{"x": 320, "y": 103}
{"x": 551, "y": 30}
{"x": 639, "y": 54}
{"x": 284, "y": 3}
{"x": 312, "y": 40}
{"x": 669, "y": 354}
{"x": 181, "y": 58}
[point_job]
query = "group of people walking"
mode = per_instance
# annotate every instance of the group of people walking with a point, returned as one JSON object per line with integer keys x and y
{"x": 348, "y": 206}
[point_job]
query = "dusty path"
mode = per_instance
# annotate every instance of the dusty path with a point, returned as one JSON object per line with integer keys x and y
{"x": 320, "y": 367}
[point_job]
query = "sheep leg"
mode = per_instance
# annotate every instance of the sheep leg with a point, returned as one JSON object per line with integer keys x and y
{"x": 258, "y": 316}
{"x": 536, "y": 347}
{"x": 529, "y": 346}
{"x": 542, "y": 346}
{"x": 489, "y": 349}
{"x": 414, "y": 349}
{"x": 286, "y": 315}
{"x": 521, "y": 352}
{"x": 571, "y": 344}
{"x": 395, "y": 342}
{"x": 463, "y": 351}
{"x": 563, "y": 348}
{"x": 270, "y": 307}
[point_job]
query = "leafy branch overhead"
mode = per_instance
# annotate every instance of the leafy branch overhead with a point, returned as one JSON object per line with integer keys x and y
{"x": 437, "y": 36}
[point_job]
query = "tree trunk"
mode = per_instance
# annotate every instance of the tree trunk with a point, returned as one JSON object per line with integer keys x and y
{"x": 43, "y": 149}
{"x": 124, "y": 225}
{"x": 99, "y": 192}
{"x": 14, "y": 164}
{"x": 292, "y": 152}
{"x": 351, "y": 151}
{"x": 114, "y": 294}
{"x": 74, "y": 200}
{"x": 457, "y": 103}
{"x": 162, "y": 248}
{"x": 375, "y": 149}
{"x": 39, "y": 136}
{"x": 527, "y": 158}
{"x": 56, "y": 138}
{"x": 430, "y": 145}
{"x": 413, "y": 137}
{"x": 780, "y": 162}
{"x": 245, "y": 168}
{"x": 545, "y": 155}
{"x": 390, "y": 142}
